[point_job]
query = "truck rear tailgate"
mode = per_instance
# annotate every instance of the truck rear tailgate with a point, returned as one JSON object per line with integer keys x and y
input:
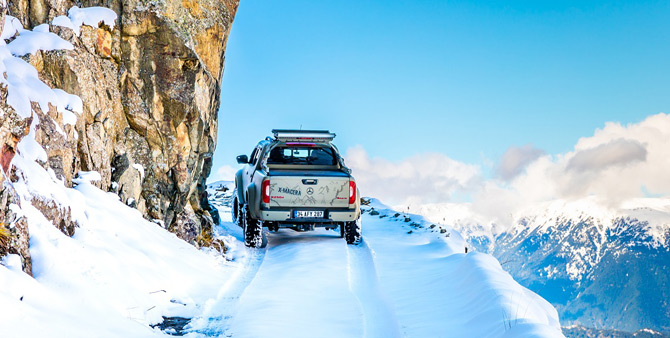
{"x": 309, "y": 189}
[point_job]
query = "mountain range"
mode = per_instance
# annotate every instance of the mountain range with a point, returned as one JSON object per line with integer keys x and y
{"x": 601, "y": 267}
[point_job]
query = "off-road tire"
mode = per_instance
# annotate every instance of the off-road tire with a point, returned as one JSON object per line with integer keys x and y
{"x": 352, "y": 232}
{"x": 252, "y": 229}
{"x": 236, "y": 212}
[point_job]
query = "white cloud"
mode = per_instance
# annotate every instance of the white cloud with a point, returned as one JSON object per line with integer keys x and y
{"x": 615, "y": 153}
{"x": 515, "y": 160}
{"x": 613, "y": 166}
{"x": 223, "y": 173}
{"x": 419, "y": 179}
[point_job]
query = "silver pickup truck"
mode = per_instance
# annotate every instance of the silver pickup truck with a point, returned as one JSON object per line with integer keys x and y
{"x": 295, "y": 180}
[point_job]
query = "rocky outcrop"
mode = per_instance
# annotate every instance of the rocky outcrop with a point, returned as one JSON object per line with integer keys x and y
{"x": 14, "y": 237}
{"x": 150, "y": 89}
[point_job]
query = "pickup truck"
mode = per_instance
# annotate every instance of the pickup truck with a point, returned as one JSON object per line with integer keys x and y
{"x": 297, "y": 180}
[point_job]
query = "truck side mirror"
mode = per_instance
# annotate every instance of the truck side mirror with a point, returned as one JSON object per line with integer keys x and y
{"x": 242, "y": 159}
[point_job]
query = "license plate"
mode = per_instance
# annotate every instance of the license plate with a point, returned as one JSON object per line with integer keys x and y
{"x": 309, "y": 214}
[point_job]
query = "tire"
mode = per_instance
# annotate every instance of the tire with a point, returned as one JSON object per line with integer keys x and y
{"x": 352, "y": 232}
{"x": 237, "y": 212}
{"x": 233, "y": 211}
{"x": 252, "y": 229}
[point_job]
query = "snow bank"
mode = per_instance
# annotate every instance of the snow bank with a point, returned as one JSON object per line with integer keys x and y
{"x": 115, "y": 276}
{"x": 439, "y": 290}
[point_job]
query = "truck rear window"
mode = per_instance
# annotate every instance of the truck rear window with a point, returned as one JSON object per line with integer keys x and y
{"x": 307, "y": 155}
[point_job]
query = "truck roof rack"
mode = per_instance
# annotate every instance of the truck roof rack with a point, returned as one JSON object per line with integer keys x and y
{"x": 296, "y": 135}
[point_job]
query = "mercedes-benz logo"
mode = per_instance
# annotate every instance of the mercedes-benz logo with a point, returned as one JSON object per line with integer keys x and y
{"x": 310, "y": 191}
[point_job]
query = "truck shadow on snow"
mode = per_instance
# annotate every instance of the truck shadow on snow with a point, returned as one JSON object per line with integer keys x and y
{"x": 290, "y": 237}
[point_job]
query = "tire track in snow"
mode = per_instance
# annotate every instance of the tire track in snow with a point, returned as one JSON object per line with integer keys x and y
{"x": 218, "y": 313}
{"x": 300, "y": 291}
{"x": 379, "y": 318}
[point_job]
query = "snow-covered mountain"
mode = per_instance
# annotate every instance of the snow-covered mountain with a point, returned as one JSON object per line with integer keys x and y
{"x": 601, "y": 267}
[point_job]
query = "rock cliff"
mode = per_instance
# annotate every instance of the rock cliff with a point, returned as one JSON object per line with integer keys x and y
{"x": 149, "y": 86}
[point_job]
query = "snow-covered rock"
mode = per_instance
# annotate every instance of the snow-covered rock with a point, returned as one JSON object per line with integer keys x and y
{"x": 105, "y": 101}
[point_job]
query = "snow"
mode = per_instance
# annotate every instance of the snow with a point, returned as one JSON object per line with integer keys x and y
{"x": 91, "y": 16}
{"x": 139, "y": 169}
{"x": 29, "y": 42}
{"x": 394, "y": 284}
{"x": 23, "y": 84}
{"x": 115, "y": 276}
{"x": 67, "y": 104}
{"x": 220, "y": 193}
{"x": 22, "y": 80}
{"x": 23, "y": 87}
{"x": 63, "y": 21}
{"x": 655, "y": 211}
{"x": 437, "y": 288}
{"x": 87, "y": 177}
{"x": 29, "y": 148}
{"x": 11, "y": 27}
{"x": 12, "y": 262}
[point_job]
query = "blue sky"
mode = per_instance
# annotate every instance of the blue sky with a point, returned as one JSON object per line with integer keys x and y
{"x": 467, "y": 79}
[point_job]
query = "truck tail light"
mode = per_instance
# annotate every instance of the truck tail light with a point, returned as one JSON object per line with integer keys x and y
{"x": 265, "y": 190}
{"x": 352, "y": 192}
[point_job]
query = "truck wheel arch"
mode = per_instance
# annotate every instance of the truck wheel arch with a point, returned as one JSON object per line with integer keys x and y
{"x": 238, "y": 187}
{"x": 252, "y": 201}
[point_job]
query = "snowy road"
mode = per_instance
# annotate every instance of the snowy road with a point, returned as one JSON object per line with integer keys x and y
{"x": 395, "y": 284}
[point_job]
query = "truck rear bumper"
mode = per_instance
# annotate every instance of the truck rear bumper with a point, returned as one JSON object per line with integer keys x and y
{"x": 331, "y": 216}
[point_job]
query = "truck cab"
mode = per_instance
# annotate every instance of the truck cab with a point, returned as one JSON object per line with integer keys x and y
{"x": 298, "y": 180}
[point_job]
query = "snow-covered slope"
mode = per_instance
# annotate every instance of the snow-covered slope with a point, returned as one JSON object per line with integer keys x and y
{"x": 602, "y": 267}
{"x": 120, "y": 273}
{"x": 407, "y": 279}
{"x": 117, "y": 275}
